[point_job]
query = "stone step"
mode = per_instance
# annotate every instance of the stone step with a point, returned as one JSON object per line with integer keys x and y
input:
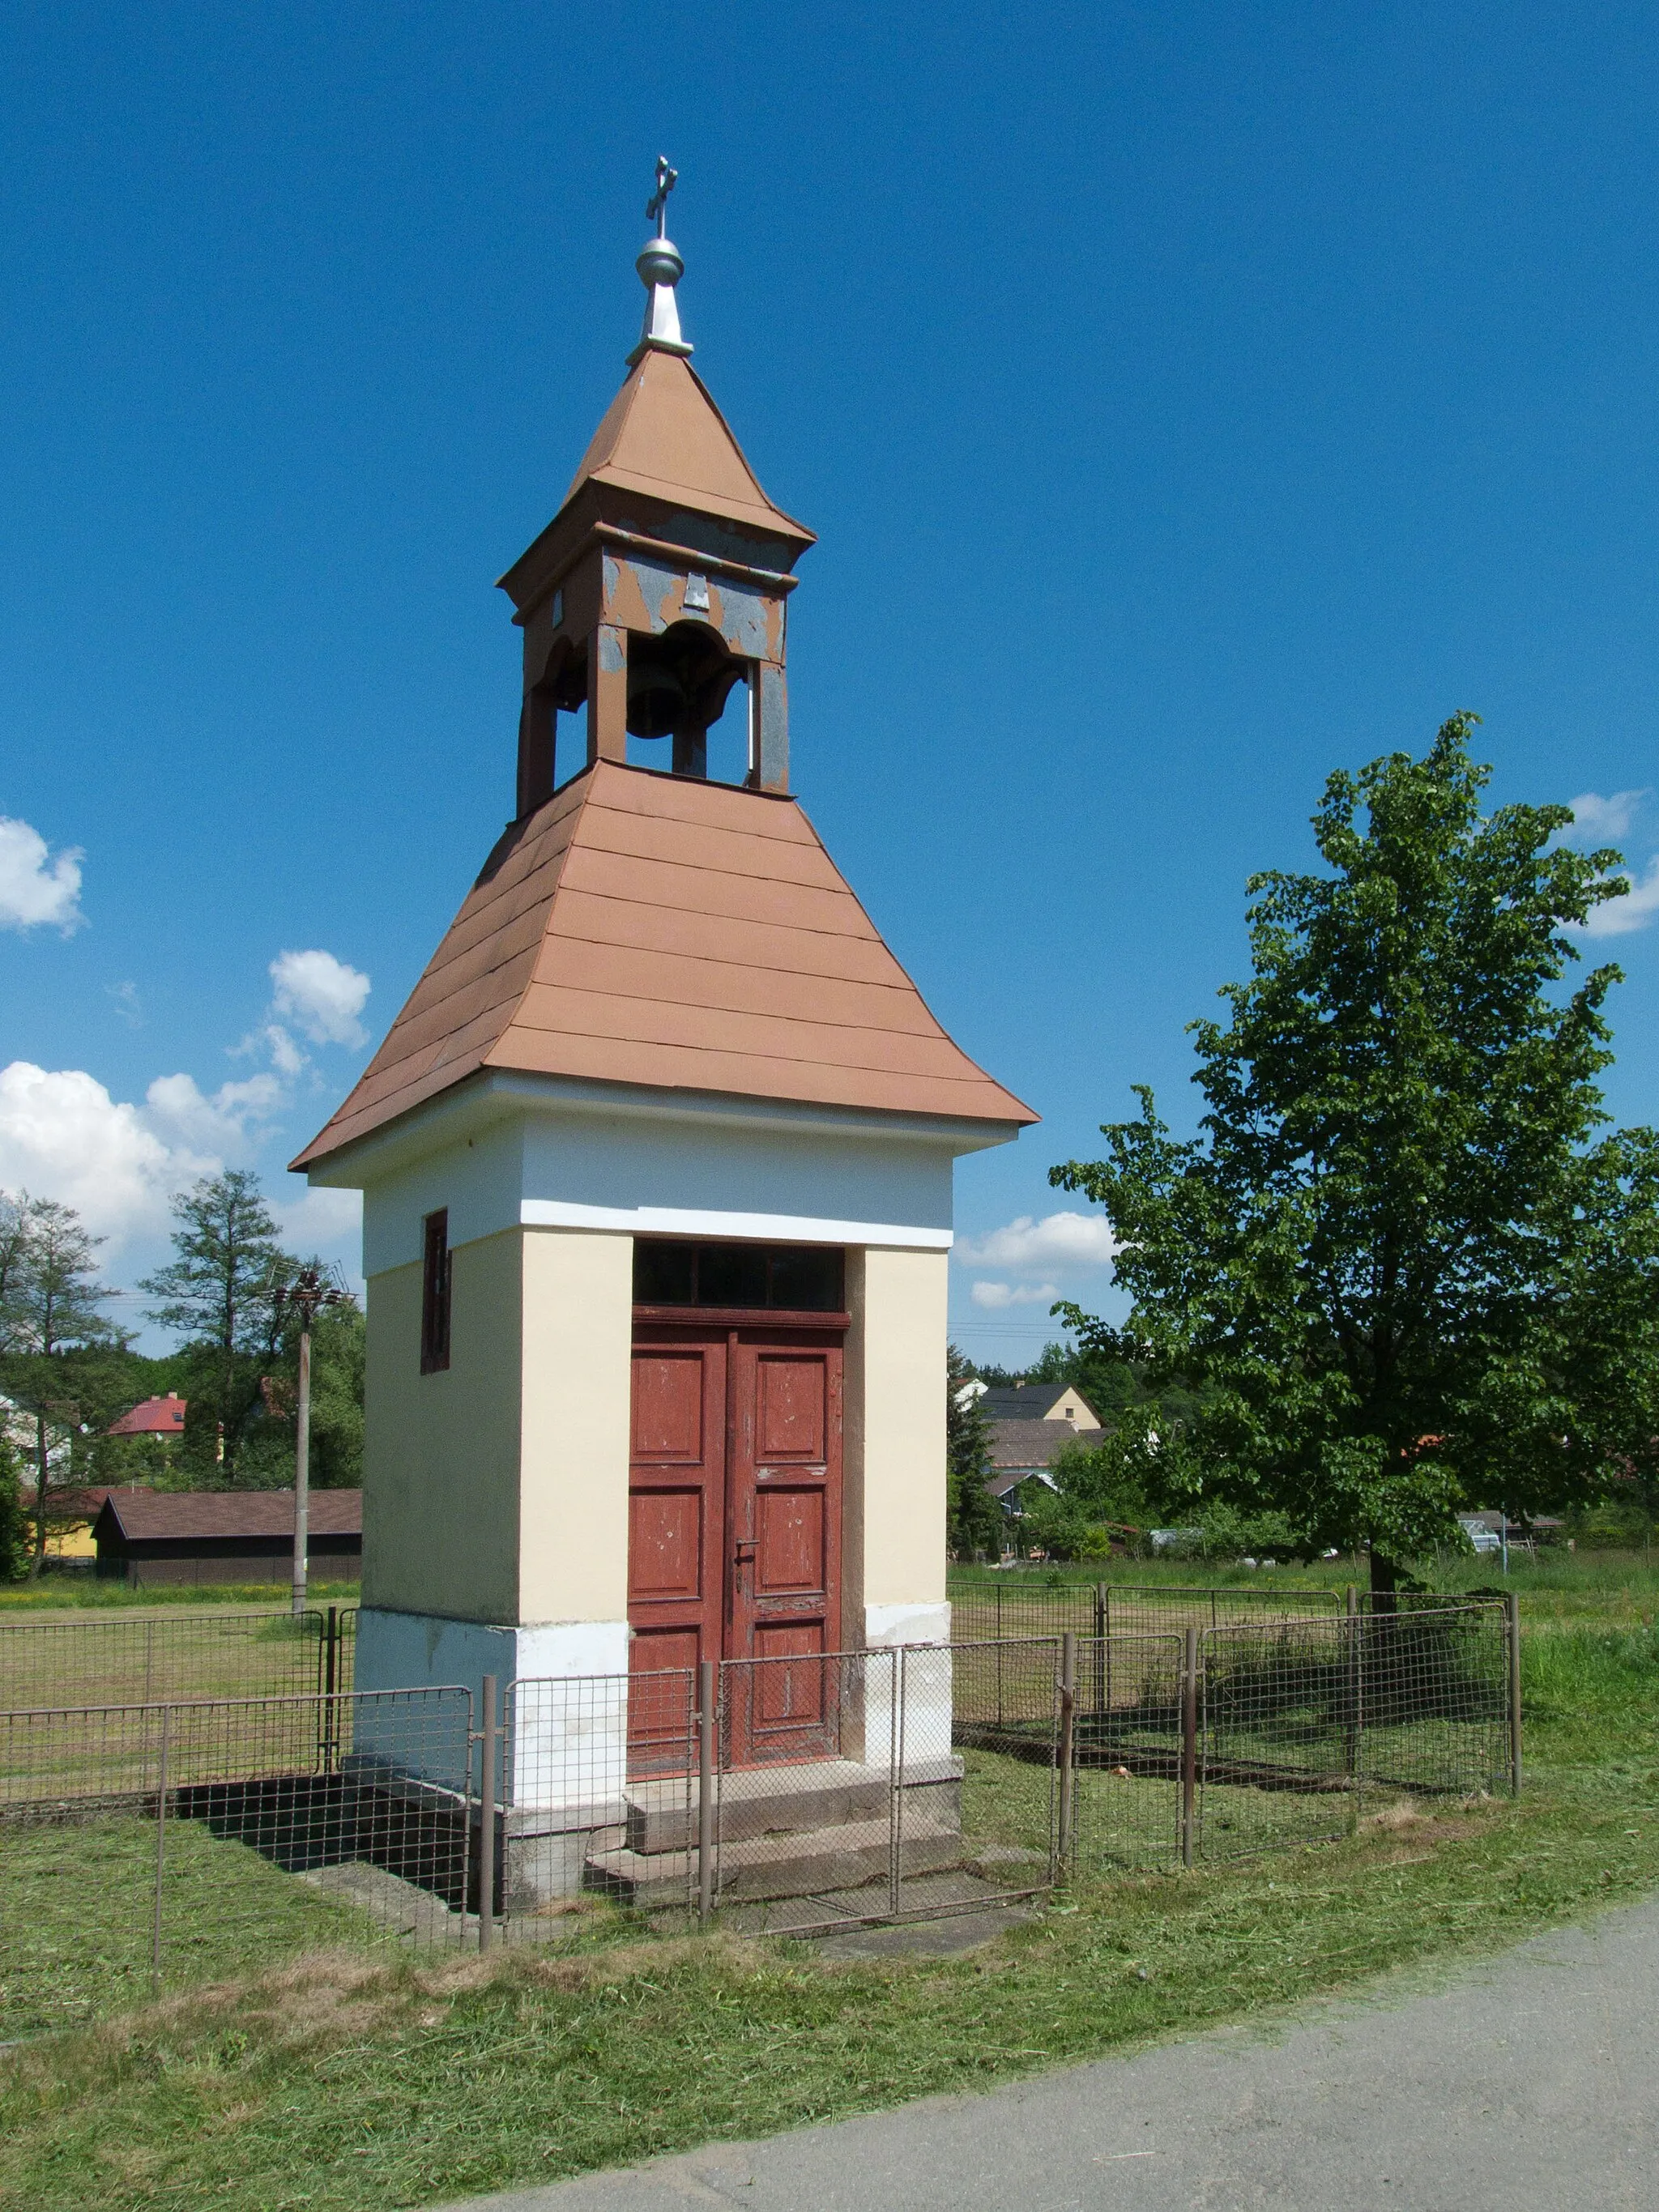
{"x": 765, "y": 1801}
{"x": 797, "y": 1864}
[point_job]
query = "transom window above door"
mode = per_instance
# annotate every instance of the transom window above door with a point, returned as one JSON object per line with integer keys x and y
{"x": 792, "y": 1278}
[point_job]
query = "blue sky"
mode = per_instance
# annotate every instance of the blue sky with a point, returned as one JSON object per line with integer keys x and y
{"x": 1188, "y": 400}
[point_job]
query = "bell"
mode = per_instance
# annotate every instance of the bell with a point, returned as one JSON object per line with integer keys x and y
{"x": 656, "y": 698}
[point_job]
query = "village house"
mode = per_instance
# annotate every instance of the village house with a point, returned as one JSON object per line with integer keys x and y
{"x": 1029, "y": 1426}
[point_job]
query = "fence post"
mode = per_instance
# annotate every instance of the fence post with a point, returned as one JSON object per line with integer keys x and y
{"x": 1103, "y": 1614}
{"x": 161, "y": 1859}
{"x": 1188, "y": 1744}
{"x": 487, "y": 1819}
{"x": 1351, "y": 1732}
{"x": 706, "y": 1695}
{"x": 1512, "y": 1627}
{"x": 1067, "y": 1741}
{"x": 332, "y": 1682}
{"x": 896, "y": 1771}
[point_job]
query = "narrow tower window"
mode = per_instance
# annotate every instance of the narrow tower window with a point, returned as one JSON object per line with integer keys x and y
{"x": 435, "y": 1274}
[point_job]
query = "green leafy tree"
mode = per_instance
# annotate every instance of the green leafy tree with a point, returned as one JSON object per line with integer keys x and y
{"x": 1408, "y": 1271}
{"x": 973, "y": 1518}
{"x": 217, "y": 1294}
{"x": 51, "y": 1306}
{"x": 14, "y": 1527}
{"x": 338, "y": 1345}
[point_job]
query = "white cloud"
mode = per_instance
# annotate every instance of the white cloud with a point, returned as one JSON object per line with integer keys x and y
{"x": 1599, "y": 821}
{"x": 63, "y": 1136}
{"x": 219, "y": 1124}
{"x": 998, "y": 1295}
{"x": 329, "y": 1222}
{"x": 323, "y": 995}
{"x": 1059, "y": 1240}
{"x": 1633, "y": 910}
{"x": 33, "y": 890}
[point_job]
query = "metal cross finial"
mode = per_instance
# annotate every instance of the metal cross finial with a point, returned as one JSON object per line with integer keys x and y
{"x": 656, "y": 208}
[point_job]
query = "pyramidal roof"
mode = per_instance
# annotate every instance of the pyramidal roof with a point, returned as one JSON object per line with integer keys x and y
{"x": 663, "y": 436}
{"x": 655, "y": 930}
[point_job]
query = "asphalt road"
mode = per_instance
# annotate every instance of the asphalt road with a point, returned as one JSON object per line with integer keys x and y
{"x": 1529, "y": 2083}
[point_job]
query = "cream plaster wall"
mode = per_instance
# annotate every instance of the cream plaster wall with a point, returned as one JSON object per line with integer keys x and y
{"x": 894, "y": 1526}
{"x": 497, "y": 1490}
{"x": 440, "y": 1464}
{"x": 578, "y": 1339}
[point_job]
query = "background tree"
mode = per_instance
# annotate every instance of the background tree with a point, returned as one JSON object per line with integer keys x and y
{"x": 14, "y": 1544}
{"x": 973, "y": 1518}
{"x": 338, "y": 1345}
{"x": 216, "y": 1293}
{"x": 50, "y": 1302}
{"x": 1408, "y": 1273}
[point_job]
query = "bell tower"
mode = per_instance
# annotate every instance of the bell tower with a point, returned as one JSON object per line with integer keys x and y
{"x": 661, "y": 584}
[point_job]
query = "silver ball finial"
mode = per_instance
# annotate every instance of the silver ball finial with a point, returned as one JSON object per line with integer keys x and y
{"x": 661, "y": 267}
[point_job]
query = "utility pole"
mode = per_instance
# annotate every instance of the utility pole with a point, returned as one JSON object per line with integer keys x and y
{"x": 304, "y": 1296}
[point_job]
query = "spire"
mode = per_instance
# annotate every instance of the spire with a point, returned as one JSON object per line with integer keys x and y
{"x": 661, "y": 268}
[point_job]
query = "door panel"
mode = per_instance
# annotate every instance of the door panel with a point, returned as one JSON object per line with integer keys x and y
{"x": 675, "y": 1531}
{"x": 669, "y": 1394}
{"x": 665, "y": 1545}
{"x": 789, "y": 1554}
{"x": 791, "y": 1411}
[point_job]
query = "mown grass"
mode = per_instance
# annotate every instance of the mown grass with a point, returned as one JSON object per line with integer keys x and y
{"x": 78, "y": 1917}
{"x": 344, "y": 2080}
{"x": 78, "y": 1593}
{"x": 1590, "y": 1583}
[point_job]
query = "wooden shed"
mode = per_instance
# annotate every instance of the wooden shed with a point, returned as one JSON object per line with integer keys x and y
{"x": 225, "y": 1535}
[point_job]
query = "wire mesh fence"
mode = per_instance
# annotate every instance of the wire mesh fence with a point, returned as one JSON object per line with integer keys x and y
{"x": 595, "y": 1780}
{"x": 146, "y": 1845}
{"x": 149, "y": 1847}
{"x": 97, "y": 1659}
{"x": 988, "y": 1607}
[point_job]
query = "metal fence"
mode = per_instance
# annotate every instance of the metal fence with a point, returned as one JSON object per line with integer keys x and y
{"x": 147, "y": 1846}
{"x": 102, "y": 1658}
{"x": 1009, "y": 1608}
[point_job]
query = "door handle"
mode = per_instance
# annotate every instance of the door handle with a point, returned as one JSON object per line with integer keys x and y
{"x": 747, "y": 1547}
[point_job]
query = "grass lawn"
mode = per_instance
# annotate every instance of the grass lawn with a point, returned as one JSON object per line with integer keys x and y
{"x": 59, "y": 1881}
{"x": 83, "y": 1593}
{"x": 345, "y": 2079}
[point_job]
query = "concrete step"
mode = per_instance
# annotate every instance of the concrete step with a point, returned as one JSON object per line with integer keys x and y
{"x": 794, "y": 1865}
{"x": 820, "y": 1793}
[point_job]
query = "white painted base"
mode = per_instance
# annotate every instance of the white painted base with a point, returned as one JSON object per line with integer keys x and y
{"x": 924, "y": 1623}
{"x": 563, "y": 1692}
{"x": 926, "y": 1719}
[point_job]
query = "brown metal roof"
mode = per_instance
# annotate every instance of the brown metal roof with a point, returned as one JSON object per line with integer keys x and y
{"x": 663, "y": 436}
{"x": 1034, "y": 1445}
{"x": 656, "y": 930}
{"x": 145, "y": 1516}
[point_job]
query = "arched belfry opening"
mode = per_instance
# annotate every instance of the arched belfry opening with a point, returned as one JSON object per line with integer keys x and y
{"x": 661, "y": 584}
{"x": 677, "y": 685}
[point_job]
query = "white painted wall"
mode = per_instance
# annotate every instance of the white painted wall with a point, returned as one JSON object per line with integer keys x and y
{"x": 561, "y": 1158}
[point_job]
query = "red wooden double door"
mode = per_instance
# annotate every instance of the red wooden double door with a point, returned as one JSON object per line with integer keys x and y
{"x": 735, "y": 1532}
